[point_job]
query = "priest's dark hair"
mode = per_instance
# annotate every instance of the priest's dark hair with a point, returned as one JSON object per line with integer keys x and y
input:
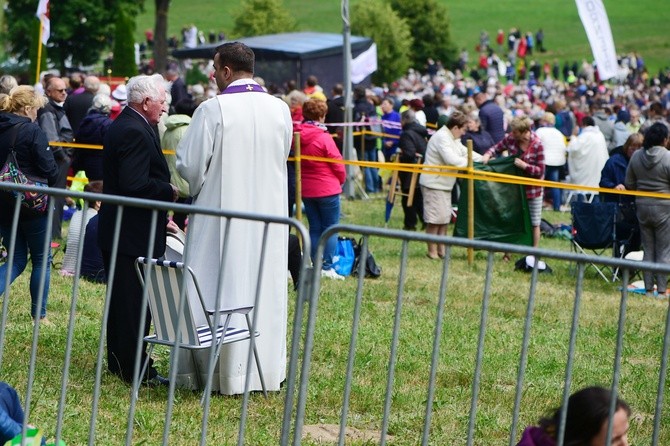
{"x": 237, "y": 56}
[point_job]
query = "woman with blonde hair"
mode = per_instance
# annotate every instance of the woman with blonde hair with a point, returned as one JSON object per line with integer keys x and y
{"x": 18, "y": 131}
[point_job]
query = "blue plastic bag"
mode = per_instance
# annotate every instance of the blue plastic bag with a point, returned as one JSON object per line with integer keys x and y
{"x": 344, "y": 260}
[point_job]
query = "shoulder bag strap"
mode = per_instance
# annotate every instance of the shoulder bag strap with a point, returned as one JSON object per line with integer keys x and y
{"x": 12, "y": 152}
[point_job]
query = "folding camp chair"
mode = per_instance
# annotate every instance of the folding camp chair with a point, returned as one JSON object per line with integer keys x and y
{"x": 165, "y": 279}
{"x": 594, "y": 229}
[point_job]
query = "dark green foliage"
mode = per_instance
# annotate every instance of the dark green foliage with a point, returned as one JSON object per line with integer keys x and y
{"x": 20, "y": 22}
{"x": 33, "y": 51}
{"x": 80, "y": 29}
{"x": 376, "y": 19}
{"x": 195, "y": 76}
{"x": 429, "y": 25}
{"x": 258, "y": 17}
{"x": 124, "y": 46}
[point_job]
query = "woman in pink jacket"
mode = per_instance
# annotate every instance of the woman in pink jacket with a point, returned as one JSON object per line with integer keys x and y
{"x": 321, "y": 181}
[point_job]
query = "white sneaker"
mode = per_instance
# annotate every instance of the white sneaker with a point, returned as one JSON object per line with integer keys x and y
{"x": 331, "y": 274}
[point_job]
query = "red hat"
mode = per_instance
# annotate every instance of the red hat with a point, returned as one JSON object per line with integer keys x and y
{"x": 416, "y": 104}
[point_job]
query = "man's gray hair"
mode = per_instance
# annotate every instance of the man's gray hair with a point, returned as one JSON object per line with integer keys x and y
{"x": 7, "y": 82}
{"x": 142, "y": 86}
{"x": 92, "y": 84}
{"x": 407, "y": 116}
{"x": 102, "y": 103}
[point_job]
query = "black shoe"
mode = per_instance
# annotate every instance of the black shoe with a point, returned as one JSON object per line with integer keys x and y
{"x": 156, "y": 381}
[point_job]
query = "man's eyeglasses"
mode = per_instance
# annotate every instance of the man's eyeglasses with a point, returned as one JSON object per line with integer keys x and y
{"x": 60, "y": 90}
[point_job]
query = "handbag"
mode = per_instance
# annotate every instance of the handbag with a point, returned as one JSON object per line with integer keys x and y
{"x": 37, "y": 202}
{"x": 372, "y": 269}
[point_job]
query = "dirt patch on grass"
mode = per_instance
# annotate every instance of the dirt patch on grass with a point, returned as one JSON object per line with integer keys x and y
{"x": 328, "y": 433}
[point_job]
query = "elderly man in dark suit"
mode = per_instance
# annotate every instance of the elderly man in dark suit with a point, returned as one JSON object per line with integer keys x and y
{"x": 133, "y": 166}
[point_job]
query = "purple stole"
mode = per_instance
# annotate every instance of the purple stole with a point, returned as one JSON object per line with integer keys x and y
{"x": 243, "y": 89}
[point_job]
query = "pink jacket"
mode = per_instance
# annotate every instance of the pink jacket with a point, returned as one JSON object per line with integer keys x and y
{"x": 319, "y": 178}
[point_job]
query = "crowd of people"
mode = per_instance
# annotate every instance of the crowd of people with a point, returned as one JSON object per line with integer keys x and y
{"x": 590, "y": 133}
{"x": 578, "y": 130}
{"x": 557, "y": 119}
{"x": 574, "y": 128}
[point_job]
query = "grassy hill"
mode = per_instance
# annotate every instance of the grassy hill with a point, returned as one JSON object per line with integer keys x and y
{"x": 636, "y": 26}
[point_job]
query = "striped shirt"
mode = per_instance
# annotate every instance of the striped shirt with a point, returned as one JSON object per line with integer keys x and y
{"x": 533, "y": 156}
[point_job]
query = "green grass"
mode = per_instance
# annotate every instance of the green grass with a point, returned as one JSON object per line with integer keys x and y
{"x": 636, "y": 26}
{"x": 595, "y": 348}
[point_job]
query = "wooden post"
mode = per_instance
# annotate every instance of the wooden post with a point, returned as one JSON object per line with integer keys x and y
{"x": 298, "y": 176}
{"x": 412, "y": 183}
{"x": 471, "y": 203}
{"x": 394, "y": 179}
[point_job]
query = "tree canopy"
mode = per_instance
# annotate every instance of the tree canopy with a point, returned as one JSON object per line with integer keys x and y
{"x": 123, "y": 63}
{"x": 79, "y": 28}
{"x": 258, "y": 17}
{"x": 429, "y": 24}
{"x": 376, "y": 19}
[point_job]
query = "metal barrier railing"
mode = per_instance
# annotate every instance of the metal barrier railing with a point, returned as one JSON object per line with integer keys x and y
{"x": 68, "y": 404}
{"x": 73, "y": 405}
{"x": 403, "y": 241}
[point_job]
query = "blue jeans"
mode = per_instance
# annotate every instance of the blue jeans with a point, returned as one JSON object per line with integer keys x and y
{"x": 30, "y": 237}
{"x": 323, "y": 213}
{"x": 552, "y": 173}
{"x": 371, "y": 173}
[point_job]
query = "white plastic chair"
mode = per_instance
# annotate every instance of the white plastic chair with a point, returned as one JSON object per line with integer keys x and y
{"x": 166, "y": 279}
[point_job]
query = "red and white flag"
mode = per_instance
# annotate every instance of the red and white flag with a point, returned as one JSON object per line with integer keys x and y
{"x": 43, "y": 15}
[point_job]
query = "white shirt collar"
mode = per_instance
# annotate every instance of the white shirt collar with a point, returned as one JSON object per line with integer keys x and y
{"x": 145, "y": 119}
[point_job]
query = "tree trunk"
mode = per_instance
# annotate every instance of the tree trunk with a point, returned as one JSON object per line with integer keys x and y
{"x": 160, "y": 36}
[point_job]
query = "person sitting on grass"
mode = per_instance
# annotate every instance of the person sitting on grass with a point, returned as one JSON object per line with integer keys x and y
{"x": 11, "y": 414}
{"x": 90, "y": 209}
{"x": 586, "y": 422}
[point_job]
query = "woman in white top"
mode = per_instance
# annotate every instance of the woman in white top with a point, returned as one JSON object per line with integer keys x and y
{"x": 444, "y": 149}
{"x": 555, "y": 158}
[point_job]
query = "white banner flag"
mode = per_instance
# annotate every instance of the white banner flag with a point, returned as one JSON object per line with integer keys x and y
{"x": 43, "y": 15}
{"x": 597, "y": 27}
{"x": 364, "y": 65}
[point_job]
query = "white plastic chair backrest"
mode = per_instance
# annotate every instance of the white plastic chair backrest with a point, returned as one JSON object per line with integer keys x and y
{"x": 166, "y": 279}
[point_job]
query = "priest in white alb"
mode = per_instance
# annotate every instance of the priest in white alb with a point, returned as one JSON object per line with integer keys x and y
{"x": 233, "y": 156}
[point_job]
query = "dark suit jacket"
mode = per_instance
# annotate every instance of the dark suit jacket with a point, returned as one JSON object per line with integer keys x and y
{"x": 76, "y": 107}
{"x": 178, "y": 91}
{"x": 336, "y": 114}
{"x": 133, "y": 166}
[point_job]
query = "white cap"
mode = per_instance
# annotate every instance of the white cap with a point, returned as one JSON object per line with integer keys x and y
{"x": 120, "y": 93}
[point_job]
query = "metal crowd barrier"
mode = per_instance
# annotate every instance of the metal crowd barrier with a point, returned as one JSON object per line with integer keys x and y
{"x": 76, "y": 400}
{"x": 355, "y": 367}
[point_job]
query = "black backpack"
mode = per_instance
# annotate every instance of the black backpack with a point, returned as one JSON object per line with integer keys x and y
{"x": 372, "y": 270}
